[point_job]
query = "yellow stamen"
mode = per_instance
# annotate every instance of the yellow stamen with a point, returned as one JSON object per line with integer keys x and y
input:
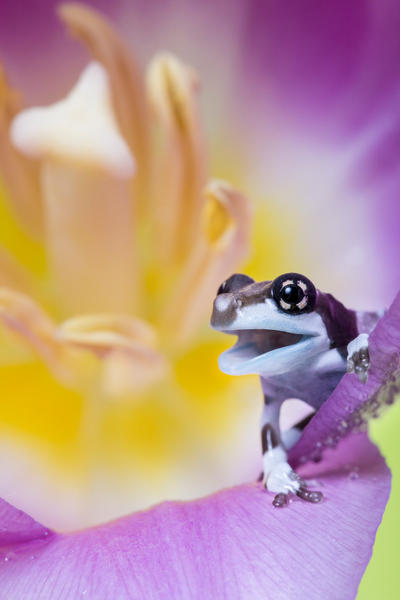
{"x": 225, "y": 241}
{"x": 217, "y": 222}
{"x": 169, "y": 427}
{"x": 12, "y": 274}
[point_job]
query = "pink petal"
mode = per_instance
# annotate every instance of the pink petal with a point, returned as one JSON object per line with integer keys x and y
{"x": 334, "y": 64}
{"x": 233, "y": 544}
{"x": 16, "y": 527}
{"x": 352, "y": 403}
{"x": 317, "y": 100}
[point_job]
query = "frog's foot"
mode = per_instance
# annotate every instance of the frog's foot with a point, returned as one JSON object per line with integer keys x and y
{"x": 283, "y": 481}
{"x": 358, "y": 359}
{"x": 309, "y": 495}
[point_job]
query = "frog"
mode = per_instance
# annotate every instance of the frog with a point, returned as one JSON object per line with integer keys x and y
{"x": 300, "y": 342}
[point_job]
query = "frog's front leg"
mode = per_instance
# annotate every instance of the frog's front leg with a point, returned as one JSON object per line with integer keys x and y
{"x": 278, "y": 476}
{"x": 358, "y": 360}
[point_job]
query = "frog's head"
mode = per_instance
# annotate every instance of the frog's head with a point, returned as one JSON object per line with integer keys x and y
{"x": 277, "y": 325}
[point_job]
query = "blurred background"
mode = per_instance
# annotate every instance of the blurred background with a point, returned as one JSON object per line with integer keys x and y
{"x": 296, "y": 105}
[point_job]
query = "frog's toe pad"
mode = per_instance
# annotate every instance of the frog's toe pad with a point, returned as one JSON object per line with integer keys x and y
{"x": 284, "y": 482}
{"x": 280, "y": 500}
{"x": 358, "y": 359}
{"x": 303, "y": 492}
{"x": 309, "y": 495}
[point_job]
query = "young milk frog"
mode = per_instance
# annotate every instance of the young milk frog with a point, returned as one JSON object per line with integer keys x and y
{"x": 300, "y": 342}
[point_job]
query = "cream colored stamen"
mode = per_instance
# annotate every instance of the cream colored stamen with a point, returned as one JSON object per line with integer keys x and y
{"x": 21, "y": 175}
{"x": 23, "y": 316}
{"x": 124, "y": 349}
{"x": 127, "y": 346}
{"x": 127, "y": 85}
{"x": 180, "y": 166}
{"x": 224, "y": 242}
{"x": 104, "y": 332}
{"x": 81, "y": 128}
{"x": 86, "y": 177}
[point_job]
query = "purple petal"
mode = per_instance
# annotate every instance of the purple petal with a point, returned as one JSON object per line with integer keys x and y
{"x": 34, "y": 29}
{"x": 352, "y": 403}
{"x": 318, "y": 94}
{"x": 334, "y": 64}
{"x": 17, "y": 527}
{"x": 233, "y": 544}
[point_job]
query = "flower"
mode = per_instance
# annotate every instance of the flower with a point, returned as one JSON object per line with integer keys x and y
{"x": 136, "y": 241}
{"x": 88, "y": 355}
{"x": 232, "y": 544}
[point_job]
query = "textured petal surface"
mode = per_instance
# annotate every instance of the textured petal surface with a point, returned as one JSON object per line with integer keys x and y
{"x": 233, "y": 544}
{"x": 352, "y": 403}
{"x": 16, "y": 527}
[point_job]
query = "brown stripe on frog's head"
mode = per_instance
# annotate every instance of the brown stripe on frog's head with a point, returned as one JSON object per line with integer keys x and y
{"x": 235, "y": 293}
{"x": 293, "y": 294}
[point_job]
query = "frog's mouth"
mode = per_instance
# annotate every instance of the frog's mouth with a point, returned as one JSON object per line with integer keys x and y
{"x": 252, "y": 343}
{"x": 254, "y": 347}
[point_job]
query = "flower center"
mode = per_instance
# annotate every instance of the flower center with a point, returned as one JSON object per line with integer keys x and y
{"x": 126, "y": 406}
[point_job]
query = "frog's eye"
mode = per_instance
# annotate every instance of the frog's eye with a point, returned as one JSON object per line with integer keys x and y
{"x": 234, "y": 283}
{"x": 294, "y": 293}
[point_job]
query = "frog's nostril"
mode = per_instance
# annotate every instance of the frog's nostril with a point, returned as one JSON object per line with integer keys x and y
{"x": 224, "y": 310}
{"x": 223, "y": 302}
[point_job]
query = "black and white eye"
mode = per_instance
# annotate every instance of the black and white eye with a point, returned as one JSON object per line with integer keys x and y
{"x": 234, "y": 283}
{"x": 294, "y": 293}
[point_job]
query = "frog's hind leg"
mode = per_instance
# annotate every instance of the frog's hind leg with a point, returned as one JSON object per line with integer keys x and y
{"x": 278, "y": 476}
{"x": 292, "y": 435}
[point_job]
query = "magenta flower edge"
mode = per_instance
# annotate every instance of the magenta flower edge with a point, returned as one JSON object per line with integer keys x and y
{"x": 353, "y": 403}
{"x": 233, "y": 544}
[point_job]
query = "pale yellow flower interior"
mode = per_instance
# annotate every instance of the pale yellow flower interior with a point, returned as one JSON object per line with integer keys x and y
{"x": 114, "y": 243}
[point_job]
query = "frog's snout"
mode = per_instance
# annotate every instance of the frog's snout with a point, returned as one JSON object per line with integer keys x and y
{"x": 225, "y": 310}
